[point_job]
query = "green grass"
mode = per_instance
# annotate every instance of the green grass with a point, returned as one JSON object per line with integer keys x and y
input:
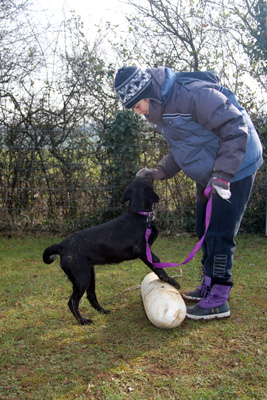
{"x": 45, "y": 354}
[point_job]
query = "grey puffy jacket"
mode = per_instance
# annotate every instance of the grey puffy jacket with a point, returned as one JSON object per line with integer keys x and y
{"x": 208, "y": 132}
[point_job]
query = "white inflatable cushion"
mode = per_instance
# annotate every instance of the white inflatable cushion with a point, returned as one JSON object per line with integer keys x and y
{"x": 163, "y": 304}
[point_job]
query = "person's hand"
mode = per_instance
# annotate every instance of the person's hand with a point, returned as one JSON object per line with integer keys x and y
{"x": 155, "y": 173}
{"x": 221, "y": 187}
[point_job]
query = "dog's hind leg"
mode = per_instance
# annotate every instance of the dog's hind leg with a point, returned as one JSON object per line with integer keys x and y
{"x": 160, "y": 272}
{"x": 78, "y": 291}
{"x": 76, "y": 268}
{"x": 92, "y": 296}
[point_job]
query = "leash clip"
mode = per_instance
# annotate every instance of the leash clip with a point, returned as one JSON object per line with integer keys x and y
{"x": 149, "y": 220}
{"x": 149, "y": 217}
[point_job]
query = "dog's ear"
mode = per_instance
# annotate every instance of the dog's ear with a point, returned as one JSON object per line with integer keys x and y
{"x": 126, "y": 195}
{"x": 155, "y": 197}
{"x": 152, "y": 196}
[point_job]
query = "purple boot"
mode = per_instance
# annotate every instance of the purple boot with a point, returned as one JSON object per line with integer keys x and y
{"x": 214, "y": 303}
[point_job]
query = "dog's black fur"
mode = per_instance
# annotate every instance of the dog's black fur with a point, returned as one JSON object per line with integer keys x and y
{"x": 118, "y": 240}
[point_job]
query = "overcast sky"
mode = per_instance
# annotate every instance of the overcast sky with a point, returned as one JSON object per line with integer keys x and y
{"x": 91, "y": 11}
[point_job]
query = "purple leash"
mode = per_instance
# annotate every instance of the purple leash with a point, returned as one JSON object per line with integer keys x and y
{"x": 208, "y": 194}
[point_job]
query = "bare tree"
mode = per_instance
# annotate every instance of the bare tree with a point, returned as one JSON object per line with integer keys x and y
{"x": 56, "y": 91}
{"x": 251, "y": 33}
{"x": 196, "y": 35}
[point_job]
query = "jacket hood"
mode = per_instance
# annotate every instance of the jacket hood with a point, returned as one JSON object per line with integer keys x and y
{"x": 163, "y": 79}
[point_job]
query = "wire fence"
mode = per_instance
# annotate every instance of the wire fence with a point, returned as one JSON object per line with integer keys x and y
{"x": 69, "y": 189}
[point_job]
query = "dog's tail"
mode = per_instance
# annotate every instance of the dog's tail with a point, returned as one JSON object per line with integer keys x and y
{"x": 50, "y": 254}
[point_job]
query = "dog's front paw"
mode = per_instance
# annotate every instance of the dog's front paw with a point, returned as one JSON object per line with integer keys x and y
{"x": 174, "y": 283}
{"x": 85, "y": 321}
{"x": 105, "y": 311}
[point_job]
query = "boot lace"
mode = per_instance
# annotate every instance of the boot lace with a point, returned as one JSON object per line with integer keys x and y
{"x": 202, "y": 278}
{"x": 201, "y": 273}
{"x": 206, "y": 292}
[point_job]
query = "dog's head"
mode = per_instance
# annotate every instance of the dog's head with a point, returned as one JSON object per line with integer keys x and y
{"x": 141, "y": 195}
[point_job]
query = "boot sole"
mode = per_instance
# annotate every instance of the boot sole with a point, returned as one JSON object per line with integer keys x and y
{"x": 191, "y": 298}
{"x": 211, "y": 316}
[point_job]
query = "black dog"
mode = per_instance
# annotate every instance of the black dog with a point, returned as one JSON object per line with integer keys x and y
{"x": 118, "y": 240}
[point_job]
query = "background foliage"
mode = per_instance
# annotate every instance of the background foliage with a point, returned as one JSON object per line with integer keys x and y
{"x": 72, "y": 186}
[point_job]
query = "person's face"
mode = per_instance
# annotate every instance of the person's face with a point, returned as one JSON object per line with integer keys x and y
{"x": 142, "y": 107}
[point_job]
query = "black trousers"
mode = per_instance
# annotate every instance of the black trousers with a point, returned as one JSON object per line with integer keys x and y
{"x": 219, "y": 244}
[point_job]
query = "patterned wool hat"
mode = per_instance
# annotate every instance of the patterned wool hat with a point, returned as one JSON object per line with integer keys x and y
{"x": 132, "y": 85}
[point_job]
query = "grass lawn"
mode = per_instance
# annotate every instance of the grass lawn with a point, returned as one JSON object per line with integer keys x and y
{"x": 45, "y": 354}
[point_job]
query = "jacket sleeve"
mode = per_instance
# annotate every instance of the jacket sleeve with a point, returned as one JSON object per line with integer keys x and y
{"x": 213, "y": 110}
{"x": 168, "y": 166}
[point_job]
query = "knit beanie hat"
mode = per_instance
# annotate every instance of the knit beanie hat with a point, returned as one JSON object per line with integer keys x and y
{"x": 132, "y": 85}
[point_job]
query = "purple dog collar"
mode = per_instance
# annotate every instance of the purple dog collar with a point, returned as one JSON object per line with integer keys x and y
{"x": 208, "y": 194}
{"x": 146, "y": 213}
